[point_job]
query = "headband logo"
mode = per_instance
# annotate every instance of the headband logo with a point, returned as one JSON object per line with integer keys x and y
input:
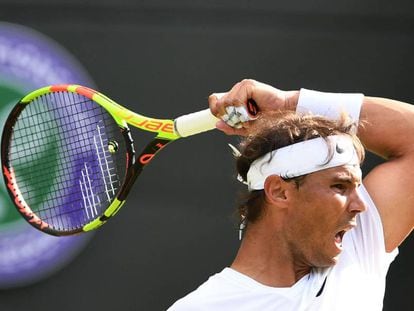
{"x": 339, "y": 149}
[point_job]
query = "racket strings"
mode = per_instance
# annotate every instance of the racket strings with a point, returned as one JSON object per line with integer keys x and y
{"x": 60, "y": 157}
{"x": 42, "y": 180}
{"x": 55, "y": 128}
{"x": 105, "y": 164}
{"x": 63, "y": 163}
{"x": 65, "y": 213}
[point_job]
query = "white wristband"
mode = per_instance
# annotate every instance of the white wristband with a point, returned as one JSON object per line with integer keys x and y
{"x": 330, "y": 105}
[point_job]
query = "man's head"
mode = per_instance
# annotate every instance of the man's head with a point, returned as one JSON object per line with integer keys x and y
{"x": 303, "y": 201}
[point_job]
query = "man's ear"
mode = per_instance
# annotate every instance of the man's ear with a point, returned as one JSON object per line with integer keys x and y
{"x": 276, "y": 189}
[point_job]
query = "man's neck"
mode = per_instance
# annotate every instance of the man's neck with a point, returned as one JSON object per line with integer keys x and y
{"x": 268, "y": 261}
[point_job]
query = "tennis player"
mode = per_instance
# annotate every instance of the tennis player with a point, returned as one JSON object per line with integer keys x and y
{"x": 316, "y": 236}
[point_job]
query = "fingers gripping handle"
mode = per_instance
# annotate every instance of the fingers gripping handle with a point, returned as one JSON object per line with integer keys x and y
{"x": 194, "y": 123}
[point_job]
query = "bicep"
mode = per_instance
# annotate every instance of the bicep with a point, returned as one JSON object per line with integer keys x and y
{"x": 391, "y": 187}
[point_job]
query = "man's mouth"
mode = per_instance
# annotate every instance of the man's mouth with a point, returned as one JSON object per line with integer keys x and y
{"x": 340, "y": 235}
{"x": 338, "y": 238}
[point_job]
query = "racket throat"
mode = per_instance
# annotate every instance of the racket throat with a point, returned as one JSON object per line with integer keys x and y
{"x": 137, "y": 163}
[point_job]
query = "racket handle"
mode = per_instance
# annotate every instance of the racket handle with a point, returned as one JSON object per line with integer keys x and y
{"x": 194, "y": 123}
{"x": 204, "y": 120}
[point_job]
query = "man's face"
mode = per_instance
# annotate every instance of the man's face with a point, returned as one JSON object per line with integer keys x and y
{"x": 323, "y": 209}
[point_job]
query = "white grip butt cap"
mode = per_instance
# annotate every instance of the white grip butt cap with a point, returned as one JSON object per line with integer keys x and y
{"x": 194, "y": 123}
{"x": 204, "y": 120}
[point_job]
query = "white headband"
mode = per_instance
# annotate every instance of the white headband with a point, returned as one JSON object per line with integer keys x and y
{"x": 302, "y": 158}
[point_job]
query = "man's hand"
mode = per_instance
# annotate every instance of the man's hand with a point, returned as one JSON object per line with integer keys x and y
{"x": 267, "y": 98}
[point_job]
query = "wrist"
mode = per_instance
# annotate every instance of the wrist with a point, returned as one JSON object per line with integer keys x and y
{"x": 330, "y": 105}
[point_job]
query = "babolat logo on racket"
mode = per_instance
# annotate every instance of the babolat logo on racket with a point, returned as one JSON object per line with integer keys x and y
{"x": 152, "y": 150}
{"x": 151, "y": 125}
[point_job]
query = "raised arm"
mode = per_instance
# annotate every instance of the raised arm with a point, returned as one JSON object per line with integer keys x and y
{"x": 387, "y": 130}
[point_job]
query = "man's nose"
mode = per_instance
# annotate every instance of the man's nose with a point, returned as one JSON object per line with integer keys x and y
{"x": 357, "y": 204}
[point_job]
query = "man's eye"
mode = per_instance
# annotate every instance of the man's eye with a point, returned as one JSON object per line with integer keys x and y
{"x": 339, "y": 187}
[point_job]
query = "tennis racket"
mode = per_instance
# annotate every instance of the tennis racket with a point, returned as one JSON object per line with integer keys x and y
{"x": 68, "y": 155}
